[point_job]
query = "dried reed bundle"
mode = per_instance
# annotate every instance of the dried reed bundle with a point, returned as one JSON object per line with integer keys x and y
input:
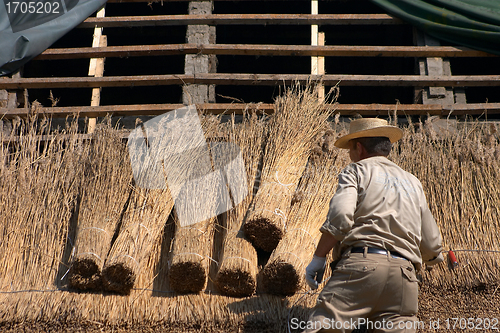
{"x": 237, "y": 274}
{"x": 38, "y": 183}
{"x": 192, "y": 245}
{"x": 459, "y": 173}
{"x": 166, "y": 163}
{"x": 105, "y": 190}
{"x": 284, "y": 271}
{"x": 299, "y": 117}
{"x": 191, "y": 256}
{"x": 142, "y": 224}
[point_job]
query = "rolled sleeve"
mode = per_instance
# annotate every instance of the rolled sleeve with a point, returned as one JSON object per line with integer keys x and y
{"x": 431, "y": 244}
{"x": 340, "y": 218}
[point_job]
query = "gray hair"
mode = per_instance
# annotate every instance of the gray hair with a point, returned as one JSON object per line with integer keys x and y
{"x": 379, "y": 145}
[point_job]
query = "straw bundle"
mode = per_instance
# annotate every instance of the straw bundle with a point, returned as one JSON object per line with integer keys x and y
{"x": 105, "y": 190}
{"x": 192, "y": 245}
{"x": 299, "y": 117}
{"x": 191, "y": 256}
{"x": 142, "y": 224}
{"x": 284, "y": 271}
{"x": 459, "y": 173}
{"x": 237, "y": 272}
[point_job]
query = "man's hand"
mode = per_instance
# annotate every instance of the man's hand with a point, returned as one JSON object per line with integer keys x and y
{"x": 315, "y": 271}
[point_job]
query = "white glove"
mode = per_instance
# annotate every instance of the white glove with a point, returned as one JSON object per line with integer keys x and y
{"x": 315, "y": 271}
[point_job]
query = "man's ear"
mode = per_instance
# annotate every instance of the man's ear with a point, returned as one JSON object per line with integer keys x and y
{"x": 361, "y": 150}
{"x": 359, "y": 147}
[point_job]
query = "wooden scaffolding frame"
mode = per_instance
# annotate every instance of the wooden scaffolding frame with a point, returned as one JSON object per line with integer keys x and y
{"x": 434, "y": 79}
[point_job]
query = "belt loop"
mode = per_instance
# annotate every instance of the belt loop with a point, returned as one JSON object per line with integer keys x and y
{"x": 389, "y": 257}
{"x": 365, "y": 251}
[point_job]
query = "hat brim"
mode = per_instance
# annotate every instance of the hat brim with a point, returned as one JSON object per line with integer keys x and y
{"x": 391, "y": 132}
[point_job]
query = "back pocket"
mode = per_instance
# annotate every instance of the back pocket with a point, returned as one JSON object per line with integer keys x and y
{"x": 409, "y": 303}
{"x": 360, "y": 267}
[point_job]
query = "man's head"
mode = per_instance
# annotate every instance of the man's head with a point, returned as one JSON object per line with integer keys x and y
{"x": 369, "y": 137}
{"x": 361, "y": 148}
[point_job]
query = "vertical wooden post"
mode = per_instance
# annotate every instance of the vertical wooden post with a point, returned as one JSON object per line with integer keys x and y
{"x": 314, "y": 37}
{"x": 96, "y": 69}
{"x": 317, "y": 38}
{"x": 321, "y": 65}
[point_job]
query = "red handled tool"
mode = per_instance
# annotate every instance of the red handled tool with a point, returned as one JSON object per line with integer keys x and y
{"x": 452, "y": 258}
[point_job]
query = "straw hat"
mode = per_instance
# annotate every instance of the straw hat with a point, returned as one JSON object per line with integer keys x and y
{"x": 369, "y": 127}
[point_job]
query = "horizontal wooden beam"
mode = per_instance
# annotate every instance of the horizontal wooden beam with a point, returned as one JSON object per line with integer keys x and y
{"x": 240, "y": 19}
{"x": 261, "y": 50}
{"x": 136, "y": 110}
{"x": 343, "y": 109}
{"x": 418, "y": 109}
{"x": 250, "y": 80}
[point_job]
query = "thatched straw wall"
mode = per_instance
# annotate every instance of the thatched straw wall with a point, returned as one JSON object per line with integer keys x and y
{"x": 300, "y": 115}
{"x": 38, "y": 186}
{"x": 39, "y": 183}
{"x": 460, "y": 175}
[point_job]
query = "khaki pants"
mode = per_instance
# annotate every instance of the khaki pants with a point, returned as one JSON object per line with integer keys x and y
{"x": 376, "y": 290}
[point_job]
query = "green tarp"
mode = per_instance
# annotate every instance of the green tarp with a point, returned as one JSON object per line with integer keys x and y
{"x": 472, "y": 23}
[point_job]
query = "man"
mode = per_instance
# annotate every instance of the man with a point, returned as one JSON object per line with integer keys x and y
{"x": 380, "y": 219}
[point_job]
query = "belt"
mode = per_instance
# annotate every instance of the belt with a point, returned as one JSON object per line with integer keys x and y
{"x": 377, "y": 251}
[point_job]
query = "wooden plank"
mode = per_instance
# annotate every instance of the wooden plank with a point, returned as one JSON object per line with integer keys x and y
{"x": 314, "y": 38}
{"x": 136, "y": 110}
{"x": 250, "y": 79}
{"x": 418, "y": 109}
{"x": 96, "y": 69}
{"x": 240, "y": 19}
{"x": 261, "y": 50}
{"x": 321, "y": 65}
{"x": 343, "y": 109}
{"x": 19, "y": 139}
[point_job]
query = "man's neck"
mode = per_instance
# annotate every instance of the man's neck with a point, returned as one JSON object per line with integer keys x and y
{"x": 371, "y": 155}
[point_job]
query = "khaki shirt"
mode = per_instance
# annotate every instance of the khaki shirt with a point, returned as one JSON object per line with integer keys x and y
{"x": 378, "y": 204}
